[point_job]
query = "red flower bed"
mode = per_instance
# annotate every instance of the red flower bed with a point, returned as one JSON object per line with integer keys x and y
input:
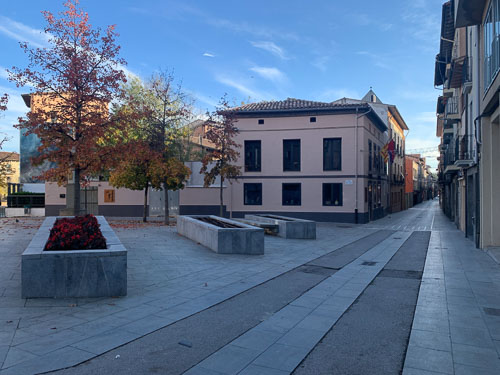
{"x": 79, "y": 233}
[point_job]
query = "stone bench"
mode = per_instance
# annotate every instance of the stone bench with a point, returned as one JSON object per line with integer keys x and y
{"x": 289, "y": 227}
{"x": 240, "y": 238}
{"x": 74, "y": 273}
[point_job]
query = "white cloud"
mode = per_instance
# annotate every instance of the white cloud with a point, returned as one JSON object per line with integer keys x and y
{"x": 321, "y": 62}
{"x": 331, "y": 95}
{"x": 208, "y": 54}
{"x": 376, "y": 59}
{"x": 242, "y": 88}
{"x": 272, "y": 74}
{"x": 23, "y": 33}
{"x": 271, "y": 47}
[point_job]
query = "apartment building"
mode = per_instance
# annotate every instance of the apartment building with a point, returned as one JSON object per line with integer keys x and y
{"x": 468, "y": 112}
{"x": 311, "y": 160}
{"x": 396, "y": 127}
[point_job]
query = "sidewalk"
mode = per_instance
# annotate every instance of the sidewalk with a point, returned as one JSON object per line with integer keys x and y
{"x": 456, "y": 327}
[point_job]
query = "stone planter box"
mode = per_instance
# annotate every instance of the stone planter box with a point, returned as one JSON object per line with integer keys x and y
{"x": 74, "y": 273}
{"x": 245, "y": 239}
{"x": 289, "y": 227}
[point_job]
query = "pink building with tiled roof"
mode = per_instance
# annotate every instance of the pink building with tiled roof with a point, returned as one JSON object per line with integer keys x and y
{"x": 306, "y": 159}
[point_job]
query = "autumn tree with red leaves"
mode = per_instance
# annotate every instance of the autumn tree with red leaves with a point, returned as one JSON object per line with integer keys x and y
{"x": 74, "y": 80}
{"x": 219, "y": 162}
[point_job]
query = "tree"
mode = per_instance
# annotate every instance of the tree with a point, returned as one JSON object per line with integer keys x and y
{"x": 218, "y": 163}
{"x": 74, "y": 80}
{"x": 5, "y": 168}
{"x": 138, "y": 170}
{"x": 161, "y": 110}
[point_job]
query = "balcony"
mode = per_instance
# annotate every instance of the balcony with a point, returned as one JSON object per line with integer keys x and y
{"x": 466, "y": 152}
{"x": 451, "y": 110}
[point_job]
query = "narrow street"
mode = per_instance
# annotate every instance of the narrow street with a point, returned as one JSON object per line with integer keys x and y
{"x": 413, "y": 296}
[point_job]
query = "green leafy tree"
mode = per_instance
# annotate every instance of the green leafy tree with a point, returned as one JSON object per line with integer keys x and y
{"x": 160, "y": 109}
{"x": 219, "y": 162}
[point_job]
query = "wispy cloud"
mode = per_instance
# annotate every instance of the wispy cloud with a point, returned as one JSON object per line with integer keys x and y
{"x": 376, "y": 59}
{"x": 271, "y": 47}
{"x": 242, "y": 88}
{"x": 363, "y": 19}
{"x": 23, "y": 33}
{"x": 208, "y": 54}
{"x": 321, "y": 62}
{"x": 244, "y": 27}
{"x": 423, "y": 22}
{"x": 330, "y": 95}
{"x": 269, "y": 73}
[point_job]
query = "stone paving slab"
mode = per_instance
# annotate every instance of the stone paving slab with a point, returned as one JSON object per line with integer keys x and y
{"x": 297, "y": 329}
{"x": 170, "y": 278}
{"x": 452, "y": 331}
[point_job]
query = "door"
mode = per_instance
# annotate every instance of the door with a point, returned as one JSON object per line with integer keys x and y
{"x": 88, "y": 200}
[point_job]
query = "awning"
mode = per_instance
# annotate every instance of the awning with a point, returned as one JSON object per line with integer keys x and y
{"x": 469, "y": 12}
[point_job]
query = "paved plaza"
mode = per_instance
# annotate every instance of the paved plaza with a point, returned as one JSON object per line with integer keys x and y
{"x": 405, "y": 293}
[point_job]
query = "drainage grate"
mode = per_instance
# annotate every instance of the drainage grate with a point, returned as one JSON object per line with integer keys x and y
{"x": 491, "y": 311}
{"x": 396, "y": 238}
{"x": 368, "y": 263}
{"x": 401, "y": 274}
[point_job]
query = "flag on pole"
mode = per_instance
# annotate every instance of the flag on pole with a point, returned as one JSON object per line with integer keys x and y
{"x": 390, "y": 149}
{"x": 387, "y": 151}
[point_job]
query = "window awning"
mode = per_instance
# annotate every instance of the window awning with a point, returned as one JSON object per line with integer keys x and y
{"x": 469, "y": 12}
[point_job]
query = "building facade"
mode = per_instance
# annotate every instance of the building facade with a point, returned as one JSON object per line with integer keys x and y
{"x": 11, "y": 161}
{"x": 311, "y": 160}
{"x": 467, "y": 68}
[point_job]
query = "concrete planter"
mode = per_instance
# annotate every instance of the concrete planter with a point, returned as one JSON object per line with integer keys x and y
{"x": 289, "y": 227}
{"x": 74, "y": 273}
{"x": 245, "y": 239}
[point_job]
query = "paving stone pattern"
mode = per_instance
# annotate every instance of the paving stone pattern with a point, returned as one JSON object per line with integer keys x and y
{"x": 169, "y": 278}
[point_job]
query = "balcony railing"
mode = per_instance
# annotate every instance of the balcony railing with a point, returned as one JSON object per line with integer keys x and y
{"x": 451, "y": 106}
{"x": 466, "y": 149}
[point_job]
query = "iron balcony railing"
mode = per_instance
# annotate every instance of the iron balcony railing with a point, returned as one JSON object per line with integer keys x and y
{"x": 466, "y": 151}
{"x": 451, "y": 106}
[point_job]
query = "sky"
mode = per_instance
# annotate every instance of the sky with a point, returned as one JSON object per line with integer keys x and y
{"x": 259, "y": 50}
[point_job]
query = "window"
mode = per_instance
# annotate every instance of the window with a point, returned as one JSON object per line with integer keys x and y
{"x": 332, "y": 194}
{"x": 491, "y": 36}
{"x": 332, "y": 154}
{"x": 369, "y": 155}
{"x": 252, "y": 194}
{"x": 261, "y": 121}
{"x": 252, "y": 156}
{"x": 291, "y": 195}
{"x": 312, "y": 119}
{"x": 291, "y": 154}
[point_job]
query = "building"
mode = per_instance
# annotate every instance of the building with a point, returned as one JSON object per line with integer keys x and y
{"x": 313, "y": 160}
{"x": 396, "y": 132}
{"x": 467, "y": 68}
{"x": 11, "y": 161}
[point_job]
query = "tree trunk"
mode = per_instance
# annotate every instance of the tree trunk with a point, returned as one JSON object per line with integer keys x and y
{"x": 167, "y": 216}
{"x": 221, "y": 210}
{"x": 76, "y": 198}
{"x": 145, "y": 212}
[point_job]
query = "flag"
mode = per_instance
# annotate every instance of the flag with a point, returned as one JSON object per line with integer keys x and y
{"x": 390, "y": 149}
{"x": 385, "y": 153}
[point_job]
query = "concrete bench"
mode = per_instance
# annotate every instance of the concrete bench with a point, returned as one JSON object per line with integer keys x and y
{"x": 222, "y": 235}
{"x": 289, "y": 227}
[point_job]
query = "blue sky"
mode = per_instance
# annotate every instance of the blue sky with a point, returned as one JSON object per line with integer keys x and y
{"x": 260, "y": 50}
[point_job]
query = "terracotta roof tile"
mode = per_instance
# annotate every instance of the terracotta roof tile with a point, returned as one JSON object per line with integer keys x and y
{"x": 290, "y": 104}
